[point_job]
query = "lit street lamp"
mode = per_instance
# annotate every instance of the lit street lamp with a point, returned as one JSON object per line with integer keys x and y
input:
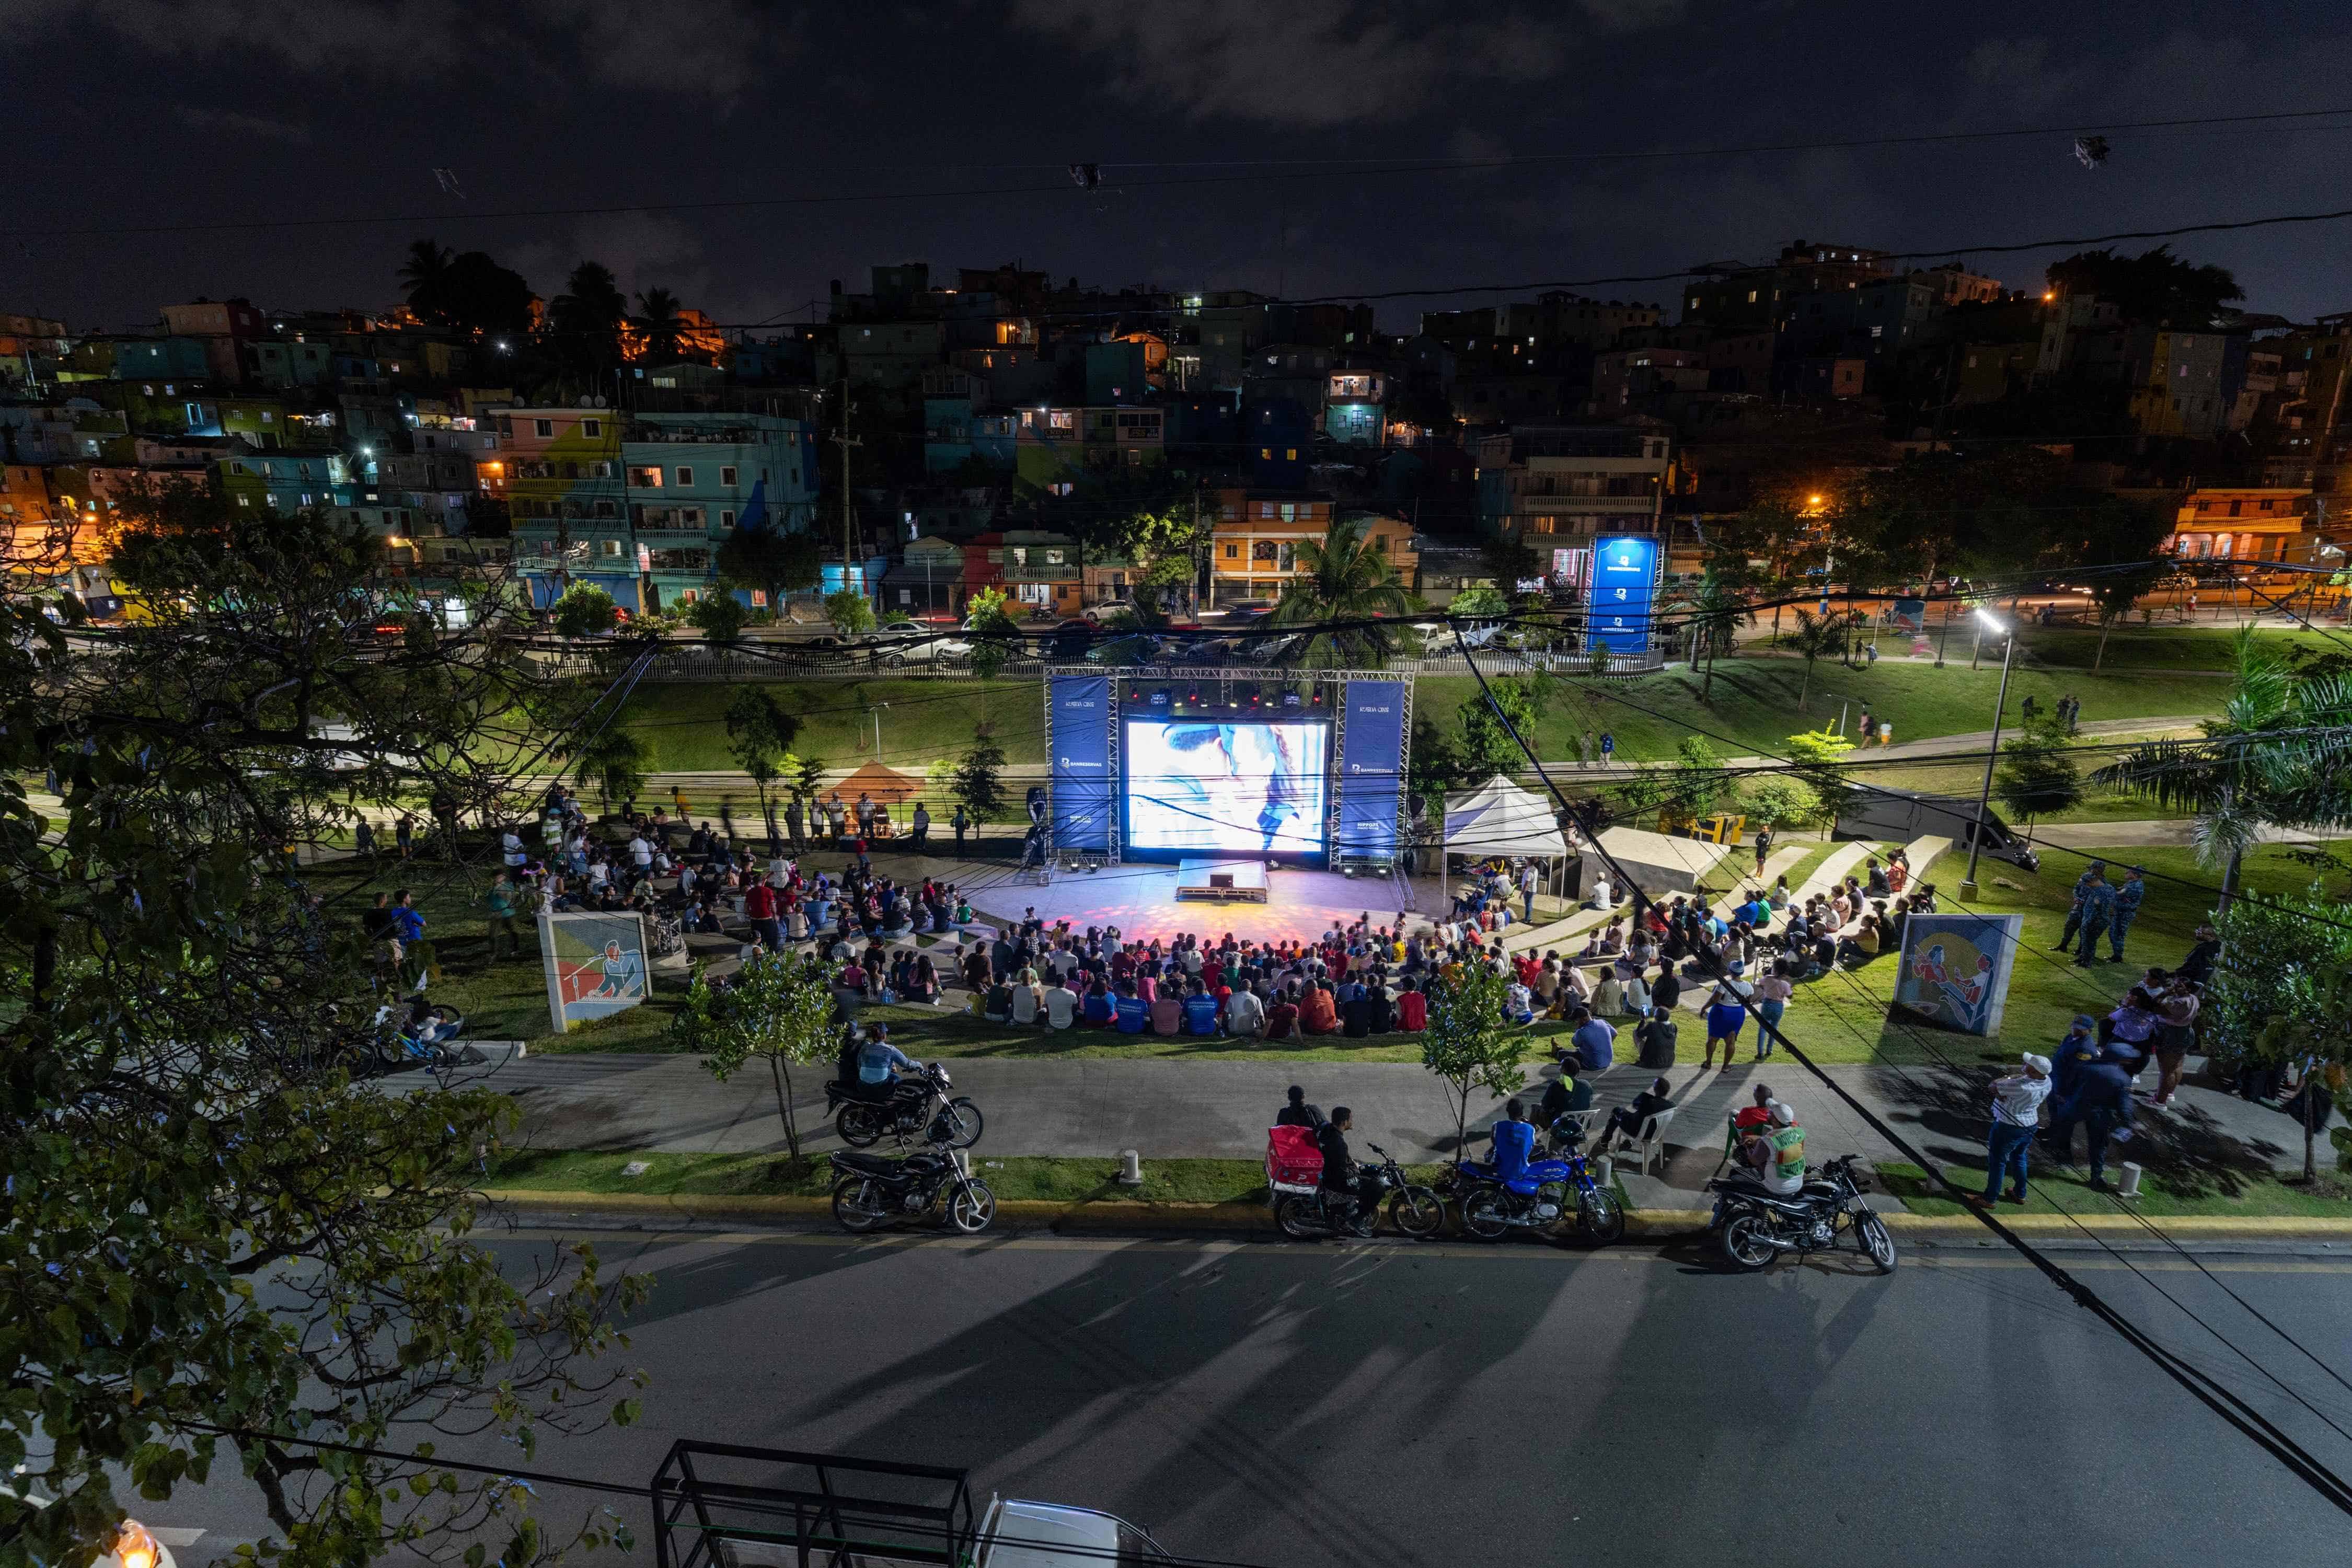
{"x": 2000, "y": 705}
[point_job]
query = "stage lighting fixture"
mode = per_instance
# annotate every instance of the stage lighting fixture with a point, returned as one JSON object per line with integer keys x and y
{"x": 1194, "y": 696}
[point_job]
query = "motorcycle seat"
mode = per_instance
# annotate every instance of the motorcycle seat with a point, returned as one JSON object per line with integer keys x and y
{"x": 1526, "y": 1186}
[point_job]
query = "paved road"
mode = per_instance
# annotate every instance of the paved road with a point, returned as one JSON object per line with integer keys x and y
{"x": 1393, "y": 1405}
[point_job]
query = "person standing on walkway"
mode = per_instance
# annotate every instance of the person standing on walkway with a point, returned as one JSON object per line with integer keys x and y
{"x": 2175, "y": 1033}
{"x": 1527, "y": 891}
{"x": 2098, "y": 911}
{"x": 1865, "y": 729}
{"x": 1763, "y": 846}
{"x": 2016, "y": 1112}
{"x": 2128, "y": 894}
{"x": 962, "y": 824}
{"x": 922, "y": 825}
{"x": 404, "y": 836}
{"x": 2094, "y": 872}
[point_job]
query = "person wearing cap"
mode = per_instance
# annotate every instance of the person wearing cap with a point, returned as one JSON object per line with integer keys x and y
{"x": 2128, "y": 894}
{"x": 1777, "y": 1153}
{"x": 2095, "y": 872}
{"x": 2097, "y": 909}
{"x": 2016, "y": 1115}
{"x": 1726, "y": 1012}
{"x": 2077, "y": 1052}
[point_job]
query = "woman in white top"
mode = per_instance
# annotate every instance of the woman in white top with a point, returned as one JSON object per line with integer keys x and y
{"x": 1637, "y": 996}
{"x": 1609, "y": 996}
{"x": 1025, "y": 998}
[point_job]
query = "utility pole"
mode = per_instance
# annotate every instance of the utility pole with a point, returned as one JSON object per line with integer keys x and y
{"x": 844, "y": 440}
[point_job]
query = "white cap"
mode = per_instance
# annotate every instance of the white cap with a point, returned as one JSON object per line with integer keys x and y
{"x": 1782, "y": 1114}
{"x": 2039, "y": 1064}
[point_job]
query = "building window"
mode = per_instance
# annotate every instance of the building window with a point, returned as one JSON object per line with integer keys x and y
{"x": 1290, "y": 454}
{"x": 685, "y": 479}
{"x": 726, "y": 519}
{"x": 1233, "y": 551}
{"x": 727, "y": 478}
{"x": 609, "y": 546}
{"x": 591, "y": 428}
{"x": 1265, "y": 454}
{"x": 546, "y": 429}
{"x": 645, "y": 478}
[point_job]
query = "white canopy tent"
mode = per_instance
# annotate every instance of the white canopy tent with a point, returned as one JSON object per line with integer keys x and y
{"x": 1501, "y": 818}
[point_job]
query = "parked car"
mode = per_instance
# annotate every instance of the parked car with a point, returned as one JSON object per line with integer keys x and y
{"x": 903, "y": 643}
{"x": 1241, "y": 609}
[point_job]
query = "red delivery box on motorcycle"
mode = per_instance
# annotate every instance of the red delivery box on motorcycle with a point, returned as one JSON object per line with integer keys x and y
{"x": 1293, "y": 1162}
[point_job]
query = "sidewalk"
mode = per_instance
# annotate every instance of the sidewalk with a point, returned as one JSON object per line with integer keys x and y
{"x": 1095, "y": 1109}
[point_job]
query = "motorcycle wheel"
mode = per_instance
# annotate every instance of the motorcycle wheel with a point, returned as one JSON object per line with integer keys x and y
{"x": 1601, "y": 1216}
{"x": 1416, "y": 1211}
{"x": 1290, "y": 1214}
{"x": 860, "y": 1126}
{"x": 1482, "y": 1216}
{"x": 957, "y": 1125}
{"x": 970, "y": 1206}
{"x": 1745, "y": 1244}
{"x": 857, "y": 1206}
{"x": 1876, "y": 1240}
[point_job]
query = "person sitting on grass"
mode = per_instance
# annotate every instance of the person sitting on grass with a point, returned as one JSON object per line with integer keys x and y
{"x": 1244, "y": 1012}
{"x": 1318, "y": 1013}
{"x": 1200, "y": 1009}
{"x": 1167, "y": 1011}
{"x": 1412, "y": 1008}
{"x": 1282, "y": 1017}
{"x": 1132, "y": 1013}
{"x": 1097, "y": 1008}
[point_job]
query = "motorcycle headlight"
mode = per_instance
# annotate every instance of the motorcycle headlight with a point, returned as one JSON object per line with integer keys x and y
{"x": 945, "y": 1081}
{"x": 135, "y": 1547}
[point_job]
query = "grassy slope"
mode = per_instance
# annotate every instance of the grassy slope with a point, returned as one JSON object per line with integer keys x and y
{"x": 686, "y": 724}
{"x": 1844, "y": 1018}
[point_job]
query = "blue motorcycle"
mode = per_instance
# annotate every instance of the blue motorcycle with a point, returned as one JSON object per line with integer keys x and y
{"x": 1544, "y": 1197}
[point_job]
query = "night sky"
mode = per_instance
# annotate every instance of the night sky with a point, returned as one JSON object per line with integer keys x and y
{"x": 1284, "y": 121}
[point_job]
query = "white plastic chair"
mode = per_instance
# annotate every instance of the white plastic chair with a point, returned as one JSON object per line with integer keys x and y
{"x": 1651, "y": 1144}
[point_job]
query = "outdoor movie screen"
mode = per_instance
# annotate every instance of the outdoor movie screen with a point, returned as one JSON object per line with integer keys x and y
{"x": 1195, "y": 785}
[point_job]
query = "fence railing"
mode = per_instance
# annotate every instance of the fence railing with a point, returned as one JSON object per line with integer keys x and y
{"x": 774, "y": 661}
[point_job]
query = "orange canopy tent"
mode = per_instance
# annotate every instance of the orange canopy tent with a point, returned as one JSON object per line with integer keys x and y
{"x": 886, "y": 787}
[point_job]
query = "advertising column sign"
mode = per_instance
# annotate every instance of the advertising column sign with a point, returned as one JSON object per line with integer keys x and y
{"x": 1624, "y": 587}
{"x": 1372, "y": 768}
{"x": 1080, "y": 776}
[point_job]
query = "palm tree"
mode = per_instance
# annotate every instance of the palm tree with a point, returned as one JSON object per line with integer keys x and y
{"x": 585, "y": 319}
{"x": 659, "y": 323}
{"x": 1346, "y": 577}
{"x": 426, "y": 276}
{"x": 2274, "y": 757}
{"x": 1716, "y": 611}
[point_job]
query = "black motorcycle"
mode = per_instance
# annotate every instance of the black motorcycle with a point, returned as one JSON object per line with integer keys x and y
{"x": 916, "y": 1106}
{"x": 1754, "y": 1226}
{"x": 1562, "y": 1189}
{"x": 873, "y": 1190}
{"x": 1412, "y": 1208}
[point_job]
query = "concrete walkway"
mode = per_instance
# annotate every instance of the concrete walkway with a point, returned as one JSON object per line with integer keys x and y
{"x": 1177, "y": 1110}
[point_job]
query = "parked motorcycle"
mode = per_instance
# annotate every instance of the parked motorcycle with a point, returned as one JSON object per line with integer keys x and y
{"x": 873, "y": 1190}
{"x": 917, "y": 1106}
{"x": 1305, "y": 1212}
{"x": 1753, "y": 1226}
{"x": 1552, "y": 1193}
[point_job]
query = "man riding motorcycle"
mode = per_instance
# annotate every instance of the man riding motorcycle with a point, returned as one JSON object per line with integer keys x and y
{"x": 878, "y": 1064}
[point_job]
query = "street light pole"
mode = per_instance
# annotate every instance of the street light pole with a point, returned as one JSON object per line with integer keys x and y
{"x": 1984, "y": 796}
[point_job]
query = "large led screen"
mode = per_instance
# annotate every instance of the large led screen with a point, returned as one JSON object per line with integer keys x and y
{"x": 1195, "y": 785}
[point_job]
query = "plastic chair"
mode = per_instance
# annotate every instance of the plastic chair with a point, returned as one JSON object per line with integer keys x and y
{"x": 1652, "y": 1142}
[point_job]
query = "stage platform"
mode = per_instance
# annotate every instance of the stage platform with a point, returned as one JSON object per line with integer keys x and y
{"x": 1222, "y": 881}
{"x": 1142, "y": 902}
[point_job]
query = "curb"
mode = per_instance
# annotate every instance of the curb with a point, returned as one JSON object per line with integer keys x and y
{"x": 1252, "y": 1217}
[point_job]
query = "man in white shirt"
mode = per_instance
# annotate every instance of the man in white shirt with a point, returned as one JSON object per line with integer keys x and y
{"x": 640, "y": 852}
{"x": 1603, "y": 896}
{"x": 2016, "y": 1114}
{"x": 1061, "y": 1007}
{"x": 1245, "y": 1014}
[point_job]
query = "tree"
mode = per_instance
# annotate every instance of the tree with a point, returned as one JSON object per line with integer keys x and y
{"x": 2154, "y": 286}
{"x": 1344, "y": 578}
{"x": 1782, "y": 800}
{"x": 779, "y": 1008}
{"x": 2282, "y": 989}
{"x": 1470, "y": 1045}
{"x": 980, "y": 777}
{"x": 993, "y": 634}
{"x": 1816, "y": 757}
{"x": 1479, "y": 604}
{"x": 585, "y": 611}
{"x": 1817, "y": 637}
{"x": 1488, "y": 748}
{"x": 206, "y": 1219}
{"x": 771, "y": 561}
{"x": 802, "y": 777}
{"x": 1714, "y": 612}
{"x": 424, "y": 275}
{"x": 613, "y": 760}
{"x": 1436, "y": 764}
{"x": 1701, "y": 786}
{"x": 481, "y": 297}
{"x": 659, "y": 323}
{"x": 2274, "y": 757}
{"x": 850, "y": 612}
{"x": 584, "y": 322}
{"x": 2037, "y": 776}
{"x": 760, "y": 734}
{"x": 720, "y": 616}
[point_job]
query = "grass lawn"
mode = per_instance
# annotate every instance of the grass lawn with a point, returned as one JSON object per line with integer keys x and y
{"x": 1755, "y": 702}
{"x": 686, "y": 724}
{"x": 2066, "y": 1191}
{"x": 770, "y": 1174}
{"x": 2156, "y": 647}
{"x": 1844, "y": 1017}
